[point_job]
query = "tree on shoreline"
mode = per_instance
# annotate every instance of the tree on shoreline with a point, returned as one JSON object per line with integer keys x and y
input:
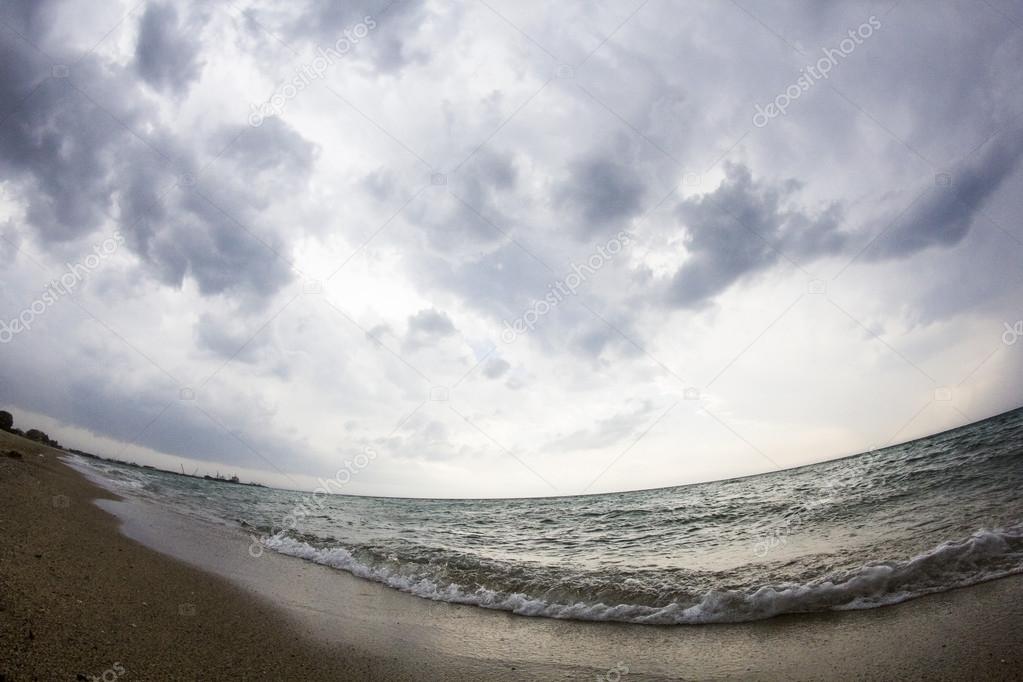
{"x": 6, "y": 420}
{"x": 41, "y": 437}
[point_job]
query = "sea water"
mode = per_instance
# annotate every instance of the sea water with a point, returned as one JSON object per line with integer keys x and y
{"x": 865, "y": 531}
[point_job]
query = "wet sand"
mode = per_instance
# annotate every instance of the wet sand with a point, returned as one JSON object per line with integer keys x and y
{"x": 86, "y": 590}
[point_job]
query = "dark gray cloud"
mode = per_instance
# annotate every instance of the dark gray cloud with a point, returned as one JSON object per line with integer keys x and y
{"x": 597, "y": 338}
{"x": 86, "y": 149}
{"x": 54, "y": 141}
{"x": 233, "y": 431}
{"x": 225, "y": 337}
{"x": 594, "y": 340}
{"x": 380, "y": 184}
{"x": 493, "y": 168}
{"x": 431, "y": 322}
{"x": 945, "y": 215}
{"x": 744, "y": 227}
{"x": 388, "y": 43}
{"x": 167, "y": 52}
{"x": 466, "y": 212}
{"x": 601, "y": 191}
{"x": 210, "y": 233}
{"x": 28, "y": 17}
{"x": 495, "y": 368}
{"x": 426, "y": 327}
{"x": 223, "y": 256}
{"x": 274, "y": 148}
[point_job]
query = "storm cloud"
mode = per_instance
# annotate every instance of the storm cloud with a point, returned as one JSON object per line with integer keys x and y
{"x": 167, "y": 53}
{"x": 744, "y": 227}
{"x": 602, "y": 191}
{"x": 339, "y": 271}
{"x": 948, "y": 211}
{"x": 87, "y": 152}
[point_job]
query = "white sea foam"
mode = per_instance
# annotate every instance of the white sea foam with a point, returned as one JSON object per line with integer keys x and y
{"x": 985, "y": 555}
{"x": 668, "y": 556}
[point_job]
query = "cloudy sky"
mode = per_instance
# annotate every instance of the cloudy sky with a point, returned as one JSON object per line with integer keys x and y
{"x": 508, "y": 248}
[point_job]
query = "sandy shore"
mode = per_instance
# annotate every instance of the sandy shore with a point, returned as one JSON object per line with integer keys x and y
{"x": 139, "y": 592}
{"x": 77, "y": 597}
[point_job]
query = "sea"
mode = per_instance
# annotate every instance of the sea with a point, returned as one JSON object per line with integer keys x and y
{"x": 866, "y": 531}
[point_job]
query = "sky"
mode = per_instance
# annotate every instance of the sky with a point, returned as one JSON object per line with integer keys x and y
{"x": 497, "y": 249}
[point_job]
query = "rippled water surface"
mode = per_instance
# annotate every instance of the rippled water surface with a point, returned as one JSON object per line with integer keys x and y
{"x": 874, "y": 529}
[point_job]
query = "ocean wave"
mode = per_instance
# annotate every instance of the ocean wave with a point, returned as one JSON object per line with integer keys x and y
{"x": 985, "y": 555}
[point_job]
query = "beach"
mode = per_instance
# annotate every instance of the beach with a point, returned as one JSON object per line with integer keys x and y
{"x": 118, "y": 589}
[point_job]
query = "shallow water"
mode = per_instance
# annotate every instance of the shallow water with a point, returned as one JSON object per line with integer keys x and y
{"x": 865, "y": 531}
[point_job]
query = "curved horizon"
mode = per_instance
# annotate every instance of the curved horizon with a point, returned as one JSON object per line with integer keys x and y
{"x": 610, "y": 492}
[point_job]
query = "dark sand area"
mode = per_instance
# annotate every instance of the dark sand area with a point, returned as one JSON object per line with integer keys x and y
{"x": 78, "y": 596}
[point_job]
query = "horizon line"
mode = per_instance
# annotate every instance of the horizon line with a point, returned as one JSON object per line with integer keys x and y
{"x": 253, "y": 484}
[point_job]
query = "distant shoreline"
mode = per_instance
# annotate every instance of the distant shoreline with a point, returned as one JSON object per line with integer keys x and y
{"x": 80, "y": 596}
{"x": 796, "y": 467}
{"x": 205, "y": 477}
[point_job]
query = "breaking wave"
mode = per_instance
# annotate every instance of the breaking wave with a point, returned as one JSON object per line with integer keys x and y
{"x": 985, "y": 555}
